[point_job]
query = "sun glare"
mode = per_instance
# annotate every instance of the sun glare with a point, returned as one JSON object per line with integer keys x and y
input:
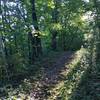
{"x": 87, "y": 16}
{"x": 86, "y": 0}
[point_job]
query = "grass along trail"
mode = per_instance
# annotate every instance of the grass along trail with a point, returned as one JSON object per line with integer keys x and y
{"x": 55, "y": 76}
{"x": 57, "y": 80}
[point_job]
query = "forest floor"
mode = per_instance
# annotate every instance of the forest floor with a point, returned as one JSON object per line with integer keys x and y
{"x": 62, "y": 77}
{"x": 40, "y": 86}
{"x": 55, "y": 69}
{"x": 52, "y": 75}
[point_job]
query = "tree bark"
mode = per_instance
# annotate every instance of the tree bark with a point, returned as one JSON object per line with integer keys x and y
{"x": 55, "y": 21}
{"x": 97, "y": 24}
{"x": 35, "y": 36}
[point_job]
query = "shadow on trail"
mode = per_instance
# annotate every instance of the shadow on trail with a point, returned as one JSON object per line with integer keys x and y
{"x": 51, "y": 75}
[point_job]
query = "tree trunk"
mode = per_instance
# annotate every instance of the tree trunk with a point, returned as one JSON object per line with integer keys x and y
{"x": 97, "y": 23}
{"x": 55, "y": 21}
{"x": 35, "y": 36}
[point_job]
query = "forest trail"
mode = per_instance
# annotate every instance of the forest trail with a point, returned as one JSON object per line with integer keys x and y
{"x": 51, "y": 76}
{"x": 56, "y": 69}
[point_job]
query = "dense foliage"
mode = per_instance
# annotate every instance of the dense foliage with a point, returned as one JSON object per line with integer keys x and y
{"x": 32, "y": 29}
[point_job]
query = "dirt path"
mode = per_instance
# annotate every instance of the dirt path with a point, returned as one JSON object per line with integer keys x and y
{"x": 51, "y": 76}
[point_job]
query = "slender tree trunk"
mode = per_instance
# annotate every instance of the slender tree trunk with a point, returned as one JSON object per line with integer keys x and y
{"x": 55, "y": 21}
{"x": 5, "y": 49}
{"x": 97, "y": 23}
{"x": 35, "y": 36}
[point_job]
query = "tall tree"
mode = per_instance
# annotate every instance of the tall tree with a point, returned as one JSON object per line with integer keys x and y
{"x": 34, "y": 35}
{"x": 97, "y": 25}
{"x": 55, "y": 16}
